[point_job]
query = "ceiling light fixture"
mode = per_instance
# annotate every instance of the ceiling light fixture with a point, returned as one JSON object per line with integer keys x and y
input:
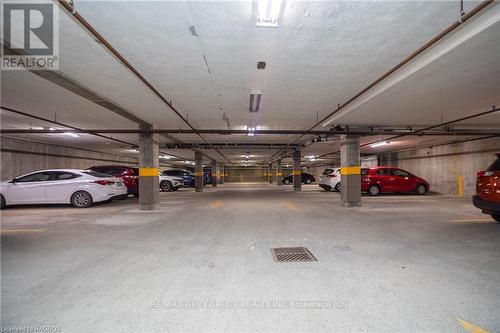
{"x": 251, "y": 130}
{"x": 255, "y": 97}
{"x": 379, "y": 144}
{"x": 71, "y": 134}
{"x": 268, "y": 12}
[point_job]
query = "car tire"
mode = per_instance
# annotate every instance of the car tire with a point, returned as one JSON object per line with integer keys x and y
{"x": 308, "y": 181}
{"x": 166, "y": 186}
{"x": 175, "y": 188}
{"x": 286, "y": 182}
{"x": 122, "y": 197}
{"x": 374, "y": 190}
{"x": 338, "y": 187}
{"x": 3, "y": 204}
{"x": 421, "y": 189}
{"x": 496, "y": 217}
{"x": 81, "y": 199}
{"x": 136, "y": 195}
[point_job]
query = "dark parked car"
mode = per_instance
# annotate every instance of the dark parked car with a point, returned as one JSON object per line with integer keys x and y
{"x": 186, "y": 175}
{"x": 381, "y": 179}
{"x": 487, "y": 196}
{"x": 129, "y": 175}
{"x": 307, "y": 178}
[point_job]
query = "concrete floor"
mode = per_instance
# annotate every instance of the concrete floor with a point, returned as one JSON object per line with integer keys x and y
{"x": 203, "y": 263}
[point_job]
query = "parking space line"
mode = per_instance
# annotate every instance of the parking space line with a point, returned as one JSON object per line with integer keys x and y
{"x": 474, "y": 220}
{"x": 216, "y": 203}
{"x": 471, "y": 327}
{"x": 11, "y": 231}
{"x": 292, "y": 206}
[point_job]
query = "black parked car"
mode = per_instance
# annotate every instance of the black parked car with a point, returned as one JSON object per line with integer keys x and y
{"x": 307, "y": 178}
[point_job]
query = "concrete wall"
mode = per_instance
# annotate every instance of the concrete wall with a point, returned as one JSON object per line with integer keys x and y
{"x": 442, "y": 165}
{"x": 22, "y": 156}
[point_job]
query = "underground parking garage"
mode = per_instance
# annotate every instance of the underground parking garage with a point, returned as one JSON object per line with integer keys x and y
{"x": 250, "y": 166}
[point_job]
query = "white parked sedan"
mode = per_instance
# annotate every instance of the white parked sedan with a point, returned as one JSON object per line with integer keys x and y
{"x": 80, "y": 188}
{"x": 330, "y": 179}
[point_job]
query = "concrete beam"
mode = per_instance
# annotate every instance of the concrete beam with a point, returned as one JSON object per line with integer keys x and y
{"x": 462, "y": 33}
{"x": 350, "y": 171}
{"x": 148, "y": 170}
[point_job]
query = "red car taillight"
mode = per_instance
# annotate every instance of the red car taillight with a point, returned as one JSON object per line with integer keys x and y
{"x": 332, "y": 176}
{"x": 104, "y": 182}
{"x": 485, "y": 173}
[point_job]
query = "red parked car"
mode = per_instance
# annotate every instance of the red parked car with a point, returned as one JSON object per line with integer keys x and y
{"x": 487, "y": 196}
{"x": 378, "y": 180}
{"x": 129, "y": 175}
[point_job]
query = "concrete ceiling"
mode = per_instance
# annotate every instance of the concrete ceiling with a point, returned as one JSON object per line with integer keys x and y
{"x": 321, "y": 54}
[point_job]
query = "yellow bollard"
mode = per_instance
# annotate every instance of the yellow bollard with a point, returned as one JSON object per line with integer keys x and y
{"x": 460, "y": 186}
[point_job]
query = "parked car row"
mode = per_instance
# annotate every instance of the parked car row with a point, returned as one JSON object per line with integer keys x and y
{"x": 376, "y": 180}
{"x": 80, "y": 188}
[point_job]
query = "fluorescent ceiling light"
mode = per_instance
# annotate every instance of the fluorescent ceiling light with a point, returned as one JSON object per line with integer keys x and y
{"x": 71, "y": 134}
{"x": 52, "y": 129}
{"x": 255, "y": 97}
{"x": 251, "y": 131}
{"x": 166, "y": 157}
{"x": 268, "y": 12}
{"x": 378, "y": 144}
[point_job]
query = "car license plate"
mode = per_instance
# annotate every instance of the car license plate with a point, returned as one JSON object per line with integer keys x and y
{"x": 119, "y": 183}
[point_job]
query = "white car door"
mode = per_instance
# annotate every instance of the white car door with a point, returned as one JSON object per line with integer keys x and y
{"x": 29, "y": 189}
{"x": 60, "y": 187}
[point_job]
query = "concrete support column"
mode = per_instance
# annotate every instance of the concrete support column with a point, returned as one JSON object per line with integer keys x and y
{"x": 350, "y": 170}
{"x": 215, "y": 174}
{"x": 270, "y": 173}
{"x": 221, "y": 178}
{"x": 198, "y": 171}
{"x": 279, "y": 173}
{"x": 149, "y": 186}
{"x": 297, "y": 172}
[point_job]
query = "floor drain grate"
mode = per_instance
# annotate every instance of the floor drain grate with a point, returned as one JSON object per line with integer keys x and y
{"x": 292, "y": 254}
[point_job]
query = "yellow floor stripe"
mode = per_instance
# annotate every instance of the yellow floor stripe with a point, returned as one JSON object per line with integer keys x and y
{"x": 291, "y": 206}
{"x": 471, "y": 327}
{"x": 474, "y": 220}
{"x": 11, "y": 231}
{"x": 216, "y": 203}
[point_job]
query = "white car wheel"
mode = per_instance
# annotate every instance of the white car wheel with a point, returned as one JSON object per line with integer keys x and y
{"x": 166, "y": 186}
{"x": 338, "y": 187}
{"x": 81, "y": 199}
